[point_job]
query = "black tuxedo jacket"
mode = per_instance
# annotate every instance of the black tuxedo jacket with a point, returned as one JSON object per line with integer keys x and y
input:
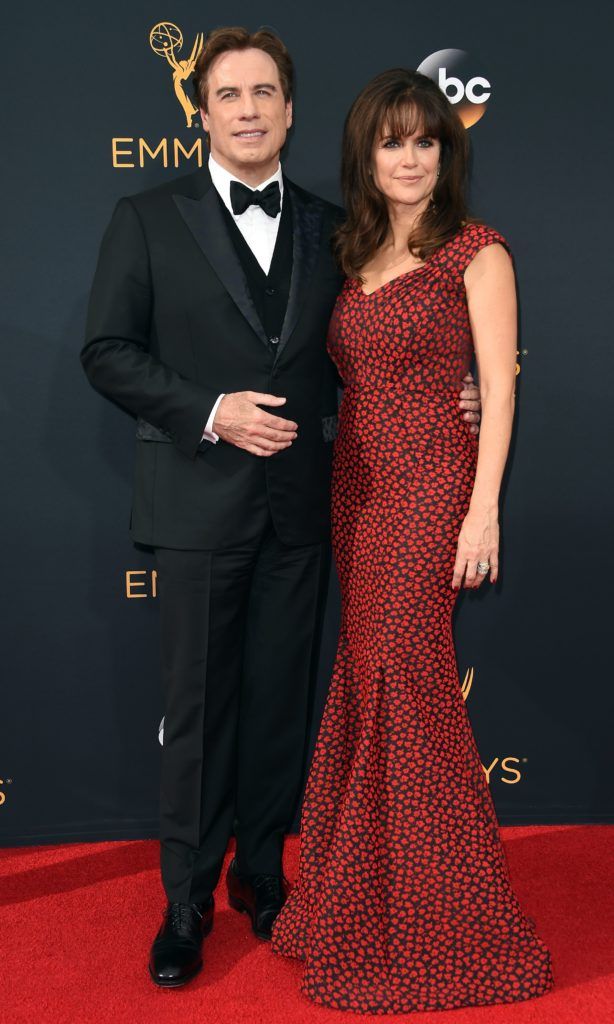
{"x": 171, "y": 325}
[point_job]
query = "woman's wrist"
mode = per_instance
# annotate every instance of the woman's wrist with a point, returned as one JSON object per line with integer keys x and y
{"x": 484, "y": 506}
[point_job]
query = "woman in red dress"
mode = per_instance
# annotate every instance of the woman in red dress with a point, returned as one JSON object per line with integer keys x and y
{"x": 404, "y": 901}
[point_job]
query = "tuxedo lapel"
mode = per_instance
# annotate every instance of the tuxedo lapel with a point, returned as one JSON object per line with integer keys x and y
{"x": 205, "y": 220}
{"x": 306, "y": 231}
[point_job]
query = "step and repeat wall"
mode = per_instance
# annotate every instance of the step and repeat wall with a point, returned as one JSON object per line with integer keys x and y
{"x": 99, "y": 107}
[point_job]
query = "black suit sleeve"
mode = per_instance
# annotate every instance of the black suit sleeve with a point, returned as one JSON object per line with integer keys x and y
{"x": 116, "y": 355}
{"x": 337, "y": 218}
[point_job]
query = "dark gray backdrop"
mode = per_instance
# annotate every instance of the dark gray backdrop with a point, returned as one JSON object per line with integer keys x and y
{"x": 81, "y": 698}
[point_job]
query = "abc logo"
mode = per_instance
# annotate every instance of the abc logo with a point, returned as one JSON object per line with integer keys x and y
{"x": 454, "y": 73}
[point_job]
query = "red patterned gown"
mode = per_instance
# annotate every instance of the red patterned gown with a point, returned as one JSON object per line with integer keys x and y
{"x": 403, "y": 900}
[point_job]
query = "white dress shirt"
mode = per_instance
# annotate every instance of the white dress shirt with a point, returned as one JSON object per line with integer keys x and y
{"x": 259, "y": 231}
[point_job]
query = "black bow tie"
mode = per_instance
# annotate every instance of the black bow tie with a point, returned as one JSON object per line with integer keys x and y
{"x": 242, "y": 197}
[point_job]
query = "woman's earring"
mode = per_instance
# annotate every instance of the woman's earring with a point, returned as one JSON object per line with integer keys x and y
{"x": 438, "y": 170}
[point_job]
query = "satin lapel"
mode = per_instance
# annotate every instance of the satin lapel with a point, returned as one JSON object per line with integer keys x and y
{"x": 206, "y": 222}
{"x": 306, "y": 231}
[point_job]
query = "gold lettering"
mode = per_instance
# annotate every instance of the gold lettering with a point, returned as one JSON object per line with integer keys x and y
{"x": 143, "y": 147}
{"x": 198, "y": 146}
{"x": 180, "y": 152}
{"x": 490, "y": 768}
{"x": 133, "y": 584}
{"x": 117, "y": 152}
{"x": 512, "y": 771}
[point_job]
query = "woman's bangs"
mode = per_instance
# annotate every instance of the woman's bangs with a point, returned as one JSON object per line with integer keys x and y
{"x": 404, "y": 117}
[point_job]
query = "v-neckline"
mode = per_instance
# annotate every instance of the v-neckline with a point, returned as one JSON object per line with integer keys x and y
{"x": 415, "y": 270}
{"x": 406, "y": 273}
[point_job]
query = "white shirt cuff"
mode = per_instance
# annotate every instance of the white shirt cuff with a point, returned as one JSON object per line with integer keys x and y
{"x": 209, "y": 433}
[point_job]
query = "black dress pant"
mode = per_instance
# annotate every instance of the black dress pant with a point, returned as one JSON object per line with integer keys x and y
{"x": 240, "y": 631}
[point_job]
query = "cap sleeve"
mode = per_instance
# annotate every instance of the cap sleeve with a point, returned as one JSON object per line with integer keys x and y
{"x": 469, "y": 241}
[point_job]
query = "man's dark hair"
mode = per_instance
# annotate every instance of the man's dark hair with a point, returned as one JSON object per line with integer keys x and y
{"x": 224, "y": 40}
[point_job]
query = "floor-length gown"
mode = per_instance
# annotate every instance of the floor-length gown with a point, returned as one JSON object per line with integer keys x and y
{"x": 403, "y": 901}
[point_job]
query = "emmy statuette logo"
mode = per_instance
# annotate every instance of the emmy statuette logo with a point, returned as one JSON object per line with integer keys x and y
{"x": 454, "y": 73}
{"x": 166, "y": 40}
{"x": 467, "y": 683}
{"x": 130, "y": 151}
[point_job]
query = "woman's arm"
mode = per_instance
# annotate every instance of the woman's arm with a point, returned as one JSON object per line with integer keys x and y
{"x": 491, "y": 298}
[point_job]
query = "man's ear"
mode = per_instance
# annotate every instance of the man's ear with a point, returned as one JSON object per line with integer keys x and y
{"x": 289, "y": 114}
{"x": 204, "y": 118}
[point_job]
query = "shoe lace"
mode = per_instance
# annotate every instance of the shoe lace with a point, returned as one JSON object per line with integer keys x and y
{"x": 269, "y": 885}
{"x": 180, "y": 915}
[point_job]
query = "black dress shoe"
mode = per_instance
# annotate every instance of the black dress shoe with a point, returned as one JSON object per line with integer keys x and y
{"x": 260, "y": 896}
{"x": 176, "y": 952}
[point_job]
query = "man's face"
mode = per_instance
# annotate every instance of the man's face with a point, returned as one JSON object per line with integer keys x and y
{"x": 247, "y": 117}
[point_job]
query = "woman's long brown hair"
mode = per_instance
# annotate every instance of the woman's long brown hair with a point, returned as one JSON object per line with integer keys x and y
{"x": 397, "y": 103}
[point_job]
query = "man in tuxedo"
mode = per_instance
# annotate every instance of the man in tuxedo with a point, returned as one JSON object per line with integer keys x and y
{"x": 207, "y": 321}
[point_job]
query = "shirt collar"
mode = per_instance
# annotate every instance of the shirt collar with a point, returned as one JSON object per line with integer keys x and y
{"x": 221, "y": 179}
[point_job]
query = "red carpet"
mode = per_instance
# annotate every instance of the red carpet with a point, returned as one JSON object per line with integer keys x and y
{"x": 77, "y": 921}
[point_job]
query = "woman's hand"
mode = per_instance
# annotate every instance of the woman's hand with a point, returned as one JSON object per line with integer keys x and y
{"x": 478, "y": 541}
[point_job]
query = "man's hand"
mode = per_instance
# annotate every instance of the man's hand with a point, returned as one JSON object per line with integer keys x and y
{"x": 470, "y": 401}
{"x": 241, "y": 422}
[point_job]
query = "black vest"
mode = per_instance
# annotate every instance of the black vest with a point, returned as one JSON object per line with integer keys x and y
{"x": 271, "y": 291}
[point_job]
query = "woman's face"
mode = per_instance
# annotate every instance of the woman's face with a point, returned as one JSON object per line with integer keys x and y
{"x": 405, "y": 169}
